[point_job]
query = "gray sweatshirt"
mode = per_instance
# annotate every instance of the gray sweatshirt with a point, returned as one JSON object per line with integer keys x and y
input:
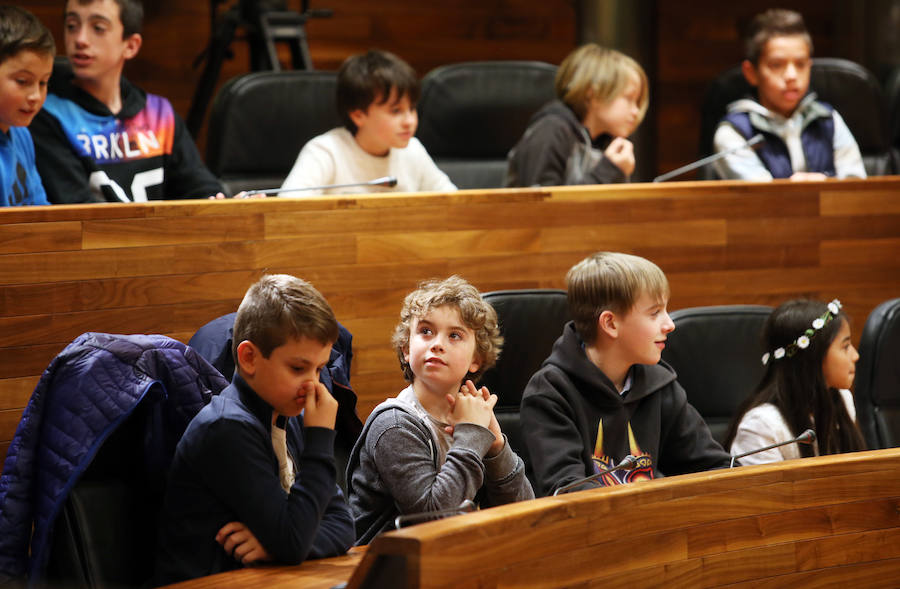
{"x": 403, "y": 463}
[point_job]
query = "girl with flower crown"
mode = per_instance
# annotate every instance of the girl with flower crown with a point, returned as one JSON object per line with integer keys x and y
{"x": 810, "y": 364}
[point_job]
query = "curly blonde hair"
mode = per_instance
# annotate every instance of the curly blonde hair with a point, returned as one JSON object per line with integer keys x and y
{"x": 475, "y": 313}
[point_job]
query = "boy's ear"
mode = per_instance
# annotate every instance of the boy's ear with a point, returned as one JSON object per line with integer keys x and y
{"x": 358, "y": 117}
{"x": 247, "y": 356}
{"x": 608, "y": 323}
{"x": 132, "y": 45}
{"x": 749, "y": 71}
{"x": 475, "y": 365}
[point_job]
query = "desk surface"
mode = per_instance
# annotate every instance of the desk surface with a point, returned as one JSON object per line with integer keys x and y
{"x": 312, "y": 574}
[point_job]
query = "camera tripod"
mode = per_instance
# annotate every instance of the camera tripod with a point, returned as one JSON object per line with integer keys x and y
{"x": 266, "y": 22}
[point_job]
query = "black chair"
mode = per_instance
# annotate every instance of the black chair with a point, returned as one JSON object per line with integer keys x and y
{"x": 892, "y": 93}
{"x": 848, "y": 87}
{"x": 105, "y": 535}
{"x": 530, "y": 321}
{"x": 471, "y": 115}
{"x": 260, "y": 121}
{"x": 716, "y": 352}
{"x": 878, "y": 377}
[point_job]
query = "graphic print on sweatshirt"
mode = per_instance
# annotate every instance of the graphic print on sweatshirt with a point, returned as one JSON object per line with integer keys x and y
{"x": 127, "y": 155}
{"x": 643, "y": 471}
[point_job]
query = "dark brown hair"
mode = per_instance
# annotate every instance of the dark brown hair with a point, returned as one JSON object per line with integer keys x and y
{"x": 775, "y": 22}
{"x": 22, "y": 31}
{"x": 371, "y": 77}
{"x": 279, "y": 307}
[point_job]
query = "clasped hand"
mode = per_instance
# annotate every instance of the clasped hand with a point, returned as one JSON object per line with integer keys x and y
{"x": 472, "y": 405}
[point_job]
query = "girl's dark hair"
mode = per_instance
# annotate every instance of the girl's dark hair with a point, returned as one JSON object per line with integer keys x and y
{"x": 796, "y": 384}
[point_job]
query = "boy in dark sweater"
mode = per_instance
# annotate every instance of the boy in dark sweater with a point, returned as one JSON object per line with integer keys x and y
{"x": 604, "y": 393}
{"x": 235, "y": 494}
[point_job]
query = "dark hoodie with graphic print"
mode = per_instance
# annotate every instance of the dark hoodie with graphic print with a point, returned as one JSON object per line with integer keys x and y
{"x": 576, "y": 422}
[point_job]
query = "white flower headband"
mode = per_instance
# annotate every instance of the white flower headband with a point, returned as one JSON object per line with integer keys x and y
{"x": 802, "y": 342}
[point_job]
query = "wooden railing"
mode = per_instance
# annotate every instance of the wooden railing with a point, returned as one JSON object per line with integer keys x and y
{"x": 169, "y": 267}
{"x": 832, "y": 521}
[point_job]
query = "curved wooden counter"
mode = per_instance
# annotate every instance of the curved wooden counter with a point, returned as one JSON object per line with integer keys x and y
{"x": 169, "y": 267}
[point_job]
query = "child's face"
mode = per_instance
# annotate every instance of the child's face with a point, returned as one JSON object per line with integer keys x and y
{"x": 94, "y": 42}
{"x": 441, "y": 350}
{"x": 782, "y": 74}
{"x": 643, "y": 330}
{"x": 390, "y": 124}
{"x": 839, "y": 365}
{"x": 23, "y": 87}
{"x": 279, "y": 379}
{"x": 620, "y": 116}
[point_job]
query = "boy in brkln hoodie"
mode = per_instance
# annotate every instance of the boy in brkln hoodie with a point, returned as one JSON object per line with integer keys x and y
{"x": 604, "y": 393}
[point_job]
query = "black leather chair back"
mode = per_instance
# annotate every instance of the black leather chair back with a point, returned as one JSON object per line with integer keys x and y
{"x": 877, "y": 389}
{"x": 105, "y": 535}
{"x": 260, "y": 121}
{"x": 471, "y": 115}
{"x": 847, "y": 86}
{"x": 530, "y": 321}
{"x": 892, "y": 94}
{"x": 716, "y": 352}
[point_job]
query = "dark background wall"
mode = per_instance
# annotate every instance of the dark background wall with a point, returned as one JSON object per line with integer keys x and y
{"x": 683, "y": 44}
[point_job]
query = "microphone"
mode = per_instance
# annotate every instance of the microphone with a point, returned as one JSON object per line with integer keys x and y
{"x": 410, "y": 518}
{"x": 628, "y": 463}
{"x": 709, "y": 159}
{"x": 388, "y": 181}
{"x": 807, "y": 437}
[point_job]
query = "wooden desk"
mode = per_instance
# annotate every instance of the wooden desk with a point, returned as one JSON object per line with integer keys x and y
{"x": 830, "y": 521}
{"x": 169, "y": 267}
{"x": 312, "y": 574}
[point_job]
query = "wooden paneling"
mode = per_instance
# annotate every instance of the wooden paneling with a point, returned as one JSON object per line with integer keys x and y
{"x": 170, "y": 267}
{"x": 824, "y": 520}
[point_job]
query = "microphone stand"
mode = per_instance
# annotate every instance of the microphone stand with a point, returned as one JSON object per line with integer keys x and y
{"x": 388, "y": 181}
{"x": 628, "y": 463}
{"x": 466, "y": 506}
{"x": 709, "y": 159}
{"x": 807, "y": 437}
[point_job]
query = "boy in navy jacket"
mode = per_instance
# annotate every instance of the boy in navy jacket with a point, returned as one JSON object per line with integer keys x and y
{"x": 235, "y": 494}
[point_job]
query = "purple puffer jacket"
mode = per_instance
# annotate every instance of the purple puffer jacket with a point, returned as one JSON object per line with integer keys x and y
{"x": 88, "y": 390}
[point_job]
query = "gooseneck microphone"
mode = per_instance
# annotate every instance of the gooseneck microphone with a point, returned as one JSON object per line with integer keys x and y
{"x": 411, "y": 518}
{"x": 807, "y": 437}
{"x": 388, "y": 181}
{"x": 709, "y": 159}
{"x": 627, "y": 463}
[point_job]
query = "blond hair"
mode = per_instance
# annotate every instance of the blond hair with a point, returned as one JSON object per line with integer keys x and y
{"x": 475, "y": 313}
{"x": 279, "y": 307}
{"x": 601, "y": 73}
{"x": 610, "y": 281}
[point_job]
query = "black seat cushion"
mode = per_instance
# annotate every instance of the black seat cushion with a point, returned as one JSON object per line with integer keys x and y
{"x": 530, "y": 321}
{"x": 105, "y": 535}
{"x": 260, "y": 121}
{"x": 471, "y": 114}
{"x": 877, "y": 389}
{"x": 716, "y": 352}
